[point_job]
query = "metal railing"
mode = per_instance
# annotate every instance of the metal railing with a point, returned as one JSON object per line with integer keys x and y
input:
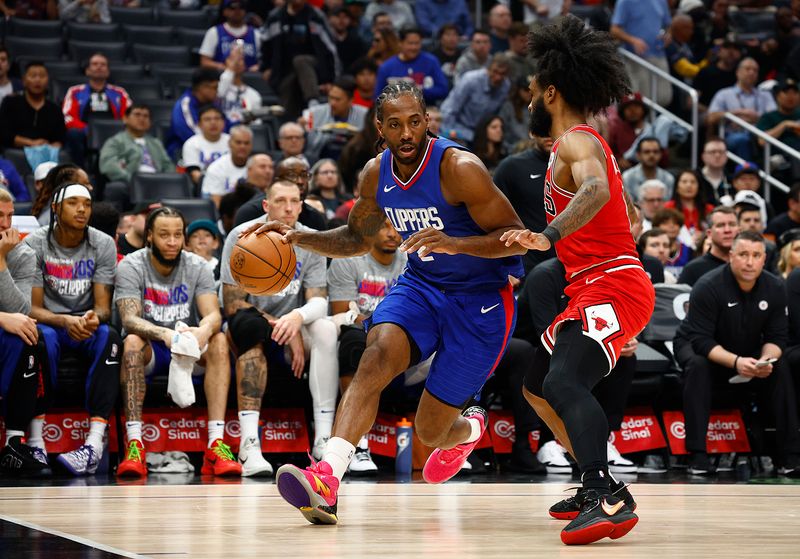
{"x": 769, "y": 141}
{"x": 694, "y": 95}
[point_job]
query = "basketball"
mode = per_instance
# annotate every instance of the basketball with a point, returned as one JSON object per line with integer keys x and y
{"x": 263, "y": 264}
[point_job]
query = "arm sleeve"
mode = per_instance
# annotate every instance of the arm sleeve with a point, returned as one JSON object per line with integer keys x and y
{"x": 619, "y": 17}
{"x": 106, "y": 265}
{"x": 342, "y": 283}
{"x": 702, "y": 318}
{"x": 770, "y": 102}
{"x": 71, "y": 109}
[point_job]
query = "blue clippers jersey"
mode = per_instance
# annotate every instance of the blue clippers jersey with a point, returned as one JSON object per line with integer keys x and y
{"x": 419, "y": 203}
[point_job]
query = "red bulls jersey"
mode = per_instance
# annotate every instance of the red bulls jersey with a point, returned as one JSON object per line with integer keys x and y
{"x": 607, "y": 237}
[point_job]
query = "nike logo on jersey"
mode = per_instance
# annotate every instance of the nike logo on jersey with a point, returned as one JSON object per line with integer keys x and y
{"x": 733, "y": 304}
{"x": 112, "y": 362}
{"x": 591, "y": 281}
{"x": 28, "y": 375}
{"x": 484, "y": 310}
{"x": 534, "y": 177}
{"x": 387, "y": 188}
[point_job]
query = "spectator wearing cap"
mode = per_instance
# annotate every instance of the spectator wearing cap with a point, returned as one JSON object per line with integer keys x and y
{"x": 746, "y": 178}
{"x": 134, "y": 238}
{"x": 205, "y": 82}
{"x": 40, "y": 173}
{"x": 722, "y": 228}
{"x": 748, "y": 198}
{"x": 234, "y": 34}
{"x": 134, "y": 150}
{"x": 433, "y": 15}
{"x": 349, "y": 45}
{"x": 398, "y": 11}
{"x": 784, "y": 122}
{"x": 11, "y": 182}
{"x": 202, "y": 238}
{"x": 412, "y": 63}
{"x": 744, "y": 100}
{"x": 720, "y": 74}
{"x": 789, "y": 219}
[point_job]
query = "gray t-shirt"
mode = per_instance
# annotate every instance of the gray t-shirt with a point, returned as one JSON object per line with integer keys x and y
{"x": 165, "y": 299}
{"x": 67, "y": 274}
{"x": 310, "y": 273}
{"x": 17, "y": 279}
{"x": 364, "y": 280}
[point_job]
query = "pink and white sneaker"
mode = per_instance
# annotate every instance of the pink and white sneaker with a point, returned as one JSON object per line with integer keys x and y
{"x": 444, "y": 464}
{"x": 313, "y": 491}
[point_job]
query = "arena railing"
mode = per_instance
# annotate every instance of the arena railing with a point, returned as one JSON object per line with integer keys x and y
{"x": 769, "y": 142}
{"x": 694, "y": 96}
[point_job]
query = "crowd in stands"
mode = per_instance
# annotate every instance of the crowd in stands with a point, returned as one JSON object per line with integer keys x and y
{"x": 274, "y": 117}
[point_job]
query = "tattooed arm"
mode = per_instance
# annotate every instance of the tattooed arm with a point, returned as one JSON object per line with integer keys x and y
{"x": 234, "y": 298}
{"x": 130, "y": 312}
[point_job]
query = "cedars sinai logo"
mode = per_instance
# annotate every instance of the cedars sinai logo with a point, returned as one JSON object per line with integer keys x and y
{"x": 233, "y": 429}
{"x": 51, "y": 432}
{"x": 504, "y": 429}
{"x": 150, "y": 432}
{"x": 678, "y": 430}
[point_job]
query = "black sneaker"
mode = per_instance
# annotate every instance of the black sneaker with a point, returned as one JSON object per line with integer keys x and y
{"x": 791, "y": 467}
{"x": 569, "y": 508}
{"x": 601, "y": 516}
{"x": 700, "y": 464}
{"x": 19, "y": 459}
{"x": 524, "y": 461}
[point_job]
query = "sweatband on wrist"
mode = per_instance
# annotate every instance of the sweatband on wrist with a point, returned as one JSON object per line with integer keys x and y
{"x": 314, "y": 309}
{"x": 735, "y": 361}
{"x": 552, "y": 234}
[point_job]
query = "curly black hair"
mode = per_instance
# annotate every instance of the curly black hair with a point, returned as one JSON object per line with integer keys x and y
{"x": 582, "y": 64}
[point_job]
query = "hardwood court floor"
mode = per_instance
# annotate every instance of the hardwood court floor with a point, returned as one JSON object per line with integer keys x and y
{"x": 416, "y": 520}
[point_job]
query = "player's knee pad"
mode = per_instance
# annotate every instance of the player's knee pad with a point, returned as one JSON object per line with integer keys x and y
{"x": 352, "y": 343}
{"x": 248, "y": 328}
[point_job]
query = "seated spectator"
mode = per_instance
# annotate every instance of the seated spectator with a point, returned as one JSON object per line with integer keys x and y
{"x": 360, "y": 149}
{"x": 203, "y": 239}
{"x": 233, "y": 34}
{"x": 434, "y": 120}
{"x": 295, "y": 319}
{"x": 744, "y": 100}
{"x": 412, "y": 64}
{"x": 682, "y": 61}
{"x": 478, "y": 93}
{"x": 475, "y": 57}
{"x": 655, "y": 243}
{"x": 736, "y": 322}
{"x": 545, "y": 11}
{"x": 789, "y": 259}
{"x": 292, "y": 141}
{"x": 447, "y": 49}
{"x": 260, "y": 172}
{"x": 651, "y": 200}
{"x": 31, "y": 119}
{"x": 234, "y": 95}
{"x": 399, "y": 13}
{"x": 488, "y": 143}
{"x": 30, "y": 9}
{"x": 380, "y": 21}
{"x": 720, "y": 74}
{"x": 183, "y": 125}
{"x": 626, "y": 126}
{"x": 11, "y": 182}
{"x": 58, "y": 175}
{"x": 749, "y": 213}
{"x": 95, "y": 99}
{"x": 790, "y": 219}
{"x": 722, "y": 228}
{"x": 134, "y": 238}
{"x": 434, "y": 15}
{"x": 671, "y": 222}
{"x": 713, "y": 178}
{"x": 499, "y": 24}
{"x": 326, "y": 182}
{"x": 521, "y": 66}
{"x": 648, "y": 152}
{"x": 690, "y": 199}
{"x": 349, "y": 45}
{"x": 515, "y": 114}
{"x": 84, "y": 11}
{"x": 784, "y": 122}
{"x": 134, "y": 150}
{"x": 332, "y": 124}
{"x": 221, "y": 176}
{"x": 746, "y": 179}
{"x": 40, "y": 173}
{"x": 8, "y": 85}
{"x": 302, "y": 64}
{"x": 209, "y": 144}
{"x": 385, "y": 44}
{"x": 365, "y": 72}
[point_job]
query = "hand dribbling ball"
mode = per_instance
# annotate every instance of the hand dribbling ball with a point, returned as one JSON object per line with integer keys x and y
{"x": 262, "y": 264}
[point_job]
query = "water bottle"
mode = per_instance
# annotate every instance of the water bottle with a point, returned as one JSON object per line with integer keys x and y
{"x": 402, "y": 462}
{"x": 742, "y": 469}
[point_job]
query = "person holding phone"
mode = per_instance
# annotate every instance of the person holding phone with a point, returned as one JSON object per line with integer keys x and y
{"x": 730, "y": 345}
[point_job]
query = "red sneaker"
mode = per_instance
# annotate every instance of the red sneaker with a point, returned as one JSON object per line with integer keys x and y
{"x": 220, "y": 461}
{"x": 135, "y": 463}
{"x": 313, "y": 491}
{"x": 444, "y": 464}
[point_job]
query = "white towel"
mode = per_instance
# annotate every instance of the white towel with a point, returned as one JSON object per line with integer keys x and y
{"x": 185, "y": 352}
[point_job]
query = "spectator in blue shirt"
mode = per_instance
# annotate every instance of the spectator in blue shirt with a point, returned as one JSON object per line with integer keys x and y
{"x": 432, "y": 14}
{"x": 477, "y": 93}
{"x": 412, "y": 64}
{"x": 12, "y": 182}
{"x": 185, "y": 113}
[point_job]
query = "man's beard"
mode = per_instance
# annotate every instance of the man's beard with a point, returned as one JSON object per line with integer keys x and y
{"x": 168, "y": 262}
{"x": 540, "y": 120}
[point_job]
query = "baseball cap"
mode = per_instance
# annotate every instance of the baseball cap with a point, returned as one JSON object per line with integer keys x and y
{"x": 788, "y": 237}
{"x": 784, "y": 84}
{"x": 42, "y": 169}
{"x": 750, "y": 198}
{"x": 746, "y": 167}
{"x": 206, "y": 224}
{"x": 634, "y": 97}
{"x": 233, "y": 4}
{"x": 145, "y": 207}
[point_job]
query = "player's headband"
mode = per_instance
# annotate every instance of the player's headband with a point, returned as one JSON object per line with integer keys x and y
{"x": 73, "y": 191}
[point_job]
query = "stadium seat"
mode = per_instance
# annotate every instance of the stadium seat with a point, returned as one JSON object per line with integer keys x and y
{"x": 156, "y": 186}
{"x": 256, "y": 81}
{"x": 192, "y": 38}
{"x": 42, "y": 49}
{"x": 143, "y": 90}
{"x": 58, "y": 69}
{"x": 127, "y": 72}
{"x": 22, "y": 208}
{"x": 188, "y": 19}
{"x": 149, "y": 34}
{"x": 160, "y": 111}
{"x": 170, "y": 77}
{"x": 94, "y": 32}
{"x": 264, "y": 140}
{"x": 193, "y": 208}
{"x": 81, "y": 51}
{"x": 18, "y": 159}
{"x": 101, "y": 129}
{"x": 134, "y": 16}
{"x": 58, "y": 87}
{"x": 34, "y": 29}
{"x": 177, "y": 55}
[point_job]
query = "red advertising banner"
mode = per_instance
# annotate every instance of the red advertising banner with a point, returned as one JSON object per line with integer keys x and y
{"x": 501, "y": 431}
{"x": 66, "y": 430}
{"x": 726, "y": 432}
{"x": 383, "y": 434}
{"x": 639, "y": 431}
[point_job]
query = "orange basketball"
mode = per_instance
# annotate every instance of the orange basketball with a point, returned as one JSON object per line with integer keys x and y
{"x": 263, "y": 264}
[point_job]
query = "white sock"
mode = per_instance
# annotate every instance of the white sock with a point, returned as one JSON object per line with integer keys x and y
{"x": 248, "y": 422}
{"x": 338, "y": 454}
{"x": 475, "y": 425}
{"x": 323, "y": 375}
{"x": 363, "y": 443}
{"x": 11, "y": 433}
{"x": 216, "y": 430}
{"x": 97, "y": 429}
{"x": 323, "y": 424}
{"x": 35, "y": 429}
{"x": 134, "y": 431}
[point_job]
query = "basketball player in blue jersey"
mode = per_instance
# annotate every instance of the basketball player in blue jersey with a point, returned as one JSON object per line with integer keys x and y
{"x": 453, "y": 299}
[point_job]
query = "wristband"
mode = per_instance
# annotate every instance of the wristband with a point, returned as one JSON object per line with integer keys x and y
{"x": 735, "y": 361}
{"x": 552, "y": 235}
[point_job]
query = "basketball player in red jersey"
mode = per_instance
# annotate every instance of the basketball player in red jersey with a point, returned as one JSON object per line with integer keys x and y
{"x": 610, "y": 297}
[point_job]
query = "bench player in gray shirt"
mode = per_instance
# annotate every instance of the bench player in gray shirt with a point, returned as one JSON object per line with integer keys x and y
{"x": 21, "y": 352}
{"x": 71, "y": 301}
{"x": 296, "y": 317}
{"x": 157, "y": 287}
